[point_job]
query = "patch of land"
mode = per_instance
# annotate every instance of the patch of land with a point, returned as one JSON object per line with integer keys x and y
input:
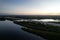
{"x": 46, "y": 31}
{"x": 56, "y": 22}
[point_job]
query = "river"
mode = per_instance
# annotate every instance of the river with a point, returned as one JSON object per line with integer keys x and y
{"x": 11, "y": 31}
{"x": 44, "y": 21}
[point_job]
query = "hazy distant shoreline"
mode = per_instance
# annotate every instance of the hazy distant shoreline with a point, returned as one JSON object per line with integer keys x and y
{"x": 33, "y": 16}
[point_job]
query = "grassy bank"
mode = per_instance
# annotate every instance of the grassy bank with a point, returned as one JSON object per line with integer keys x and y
{"x": 56, "y": 22}
{"x": 46, "y": 31}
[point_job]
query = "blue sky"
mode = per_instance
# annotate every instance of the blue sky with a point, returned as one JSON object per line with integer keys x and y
{"x": 30, "y": 7}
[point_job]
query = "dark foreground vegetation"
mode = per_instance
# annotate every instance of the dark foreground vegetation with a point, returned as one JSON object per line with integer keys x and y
{"x": 56, "y": 22}
{"x": 46, "y": 31}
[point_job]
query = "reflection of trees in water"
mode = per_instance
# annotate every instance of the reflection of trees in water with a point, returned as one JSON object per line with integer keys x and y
{"x": 15, "y": 22}
{"x": 2, "y": 19}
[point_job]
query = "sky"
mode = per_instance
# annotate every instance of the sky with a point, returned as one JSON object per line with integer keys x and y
{"x": 30, "y": 7}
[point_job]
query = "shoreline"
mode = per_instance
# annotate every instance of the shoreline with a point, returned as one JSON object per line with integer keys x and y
{"x": 46, "y": 31}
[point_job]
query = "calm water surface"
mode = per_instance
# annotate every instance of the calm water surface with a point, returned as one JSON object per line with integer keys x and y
{"x": 11, "y": 31}
{"x": 43, "y": 20}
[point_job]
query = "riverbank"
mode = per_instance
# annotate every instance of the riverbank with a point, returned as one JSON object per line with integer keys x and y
{"x": 46, "y": 31}
{"x": 55, "y": 22}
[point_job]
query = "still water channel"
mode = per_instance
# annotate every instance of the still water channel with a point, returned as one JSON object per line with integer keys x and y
{"x": 10, "y": 30}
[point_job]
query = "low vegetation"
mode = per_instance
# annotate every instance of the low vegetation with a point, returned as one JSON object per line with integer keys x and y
{"x": 56, "y": 22}
{"x": 46, "y": 31}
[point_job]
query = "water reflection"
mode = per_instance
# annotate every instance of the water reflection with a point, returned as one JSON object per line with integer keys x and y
{"x": 41, "y": 20}
{"x": 12, "y": 31}
{"x": 46, "y": 20}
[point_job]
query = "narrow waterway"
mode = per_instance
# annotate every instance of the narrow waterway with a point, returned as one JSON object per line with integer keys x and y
{"x": 9, "y": 30}
{"x": 45, "y": 21}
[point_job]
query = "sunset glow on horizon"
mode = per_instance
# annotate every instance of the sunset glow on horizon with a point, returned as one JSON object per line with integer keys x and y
{"x": 30, "y": 7}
